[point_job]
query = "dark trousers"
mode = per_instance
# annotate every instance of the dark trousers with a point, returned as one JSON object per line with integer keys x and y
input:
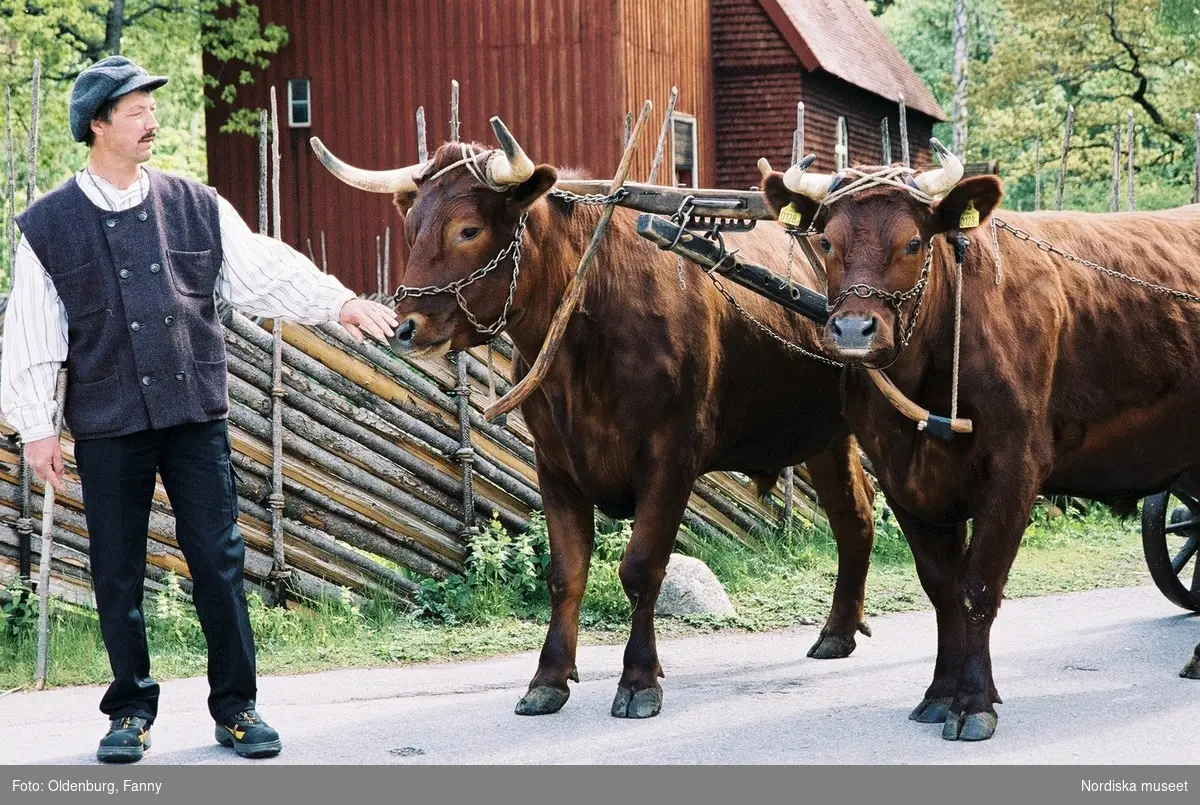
{"x": 118, "y": 485}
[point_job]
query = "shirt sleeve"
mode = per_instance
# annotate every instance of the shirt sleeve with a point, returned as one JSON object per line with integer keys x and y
{"x": 35, "y": 346}
{"x": 266, "y": 277}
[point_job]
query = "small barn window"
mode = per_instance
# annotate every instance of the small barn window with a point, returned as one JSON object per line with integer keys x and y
{"x": 683, "y": 150}
{"x": 299, "y": 103}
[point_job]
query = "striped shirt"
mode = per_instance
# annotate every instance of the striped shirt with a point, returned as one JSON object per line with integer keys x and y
{"x": 259, "y": 275}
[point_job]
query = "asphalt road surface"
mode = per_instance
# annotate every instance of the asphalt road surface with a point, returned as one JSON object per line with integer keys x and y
{"x": 1086, "y": 678}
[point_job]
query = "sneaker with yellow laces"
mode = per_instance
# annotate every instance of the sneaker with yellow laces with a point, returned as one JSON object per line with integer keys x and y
{"x": 248, "y": 735}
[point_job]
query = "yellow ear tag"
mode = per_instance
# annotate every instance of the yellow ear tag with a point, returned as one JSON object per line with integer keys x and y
{"x": 969, "y": 218}
{"x": 790, "y": 216}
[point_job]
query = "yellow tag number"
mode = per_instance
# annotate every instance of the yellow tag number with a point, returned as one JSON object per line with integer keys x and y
{"x": 791, "y": 216}
{"x": 969, "y": 218}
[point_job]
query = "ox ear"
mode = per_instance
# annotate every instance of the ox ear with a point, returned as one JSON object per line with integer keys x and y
{"x": 533, "y": 188}
{"x": 984, "y": 192}
{"x": 779, "y": 197}
{"x": 404, "y": 201}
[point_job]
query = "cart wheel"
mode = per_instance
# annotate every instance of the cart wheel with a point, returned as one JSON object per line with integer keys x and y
{"x": 1170, "y": 547}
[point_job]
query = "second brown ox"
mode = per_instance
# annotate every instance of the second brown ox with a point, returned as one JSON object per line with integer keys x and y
{"x": 653, "y": 385}
{"x": 1077, "y": 382}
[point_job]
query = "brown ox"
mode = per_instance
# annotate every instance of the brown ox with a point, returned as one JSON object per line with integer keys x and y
{"x": 653, "y": 386}
{"x": 1077, "y": 383}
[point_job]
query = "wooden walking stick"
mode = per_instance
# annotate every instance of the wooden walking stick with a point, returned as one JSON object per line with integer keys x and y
{"x": 574, "y": 292}
{"x": 60, "y": 397}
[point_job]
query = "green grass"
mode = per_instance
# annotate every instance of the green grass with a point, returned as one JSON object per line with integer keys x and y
{"x": 500, "y": 605}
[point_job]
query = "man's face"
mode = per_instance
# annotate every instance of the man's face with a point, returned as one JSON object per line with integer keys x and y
{"x": 130, "y": 132}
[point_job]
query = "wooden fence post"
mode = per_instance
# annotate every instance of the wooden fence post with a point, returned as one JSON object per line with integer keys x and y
{"x": 1066, "y": 149}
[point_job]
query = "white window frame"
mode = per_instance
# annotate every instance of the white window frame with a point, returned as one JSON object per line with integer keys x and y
{"x": 695, "y": 146}
{"x": 307, "y": 104}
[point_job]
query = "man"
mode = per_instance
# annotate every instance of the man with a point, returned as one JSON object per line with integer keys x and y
{"x": 115, "y": 276}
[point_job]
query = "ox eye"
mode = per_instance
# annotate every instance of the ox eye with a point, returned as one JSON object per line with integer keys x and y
{"x": 826, "y": 245}
{"x": 913, "y": 246}
{"x": 469, "y": 233}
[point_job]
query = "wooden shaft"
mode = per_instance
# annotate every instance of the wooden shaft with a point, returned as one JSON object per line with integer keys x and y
{"x": 907, "y": 407}
{"x": 574, "y": 290}
{"x": 664, "y": 132}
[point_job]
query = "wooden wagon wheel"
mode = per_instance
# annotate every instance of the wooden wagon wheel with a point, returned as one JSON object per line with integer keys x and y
{"x": 1170, "y": 542}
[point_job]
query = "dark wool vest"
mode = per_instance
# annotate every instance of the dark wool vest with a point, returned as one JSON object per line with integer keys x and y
{"x": 145, "y": 346}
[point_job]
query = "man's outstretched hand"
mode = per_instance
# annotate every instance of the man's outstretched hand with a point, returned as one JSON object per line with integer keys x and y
{"x": 361, "y": 316}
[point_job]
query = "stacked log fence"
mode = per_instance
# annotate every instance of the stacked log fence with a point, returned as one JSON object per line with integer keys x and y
{"x": 372, "y": 481}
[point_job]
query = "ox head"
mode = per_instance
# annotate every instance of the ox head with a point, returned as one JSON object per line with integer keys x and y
{"x": 876, "y": 242}
{"x": 462, "y": 211}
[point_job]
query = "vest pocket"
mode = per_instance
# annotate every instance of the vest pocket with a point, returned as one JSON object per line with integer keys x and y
{"x": 95, "y": 408}
{"x": 212, "y": 386}
{"x": 193, "y": 273}
{"x": 81, "y": 291}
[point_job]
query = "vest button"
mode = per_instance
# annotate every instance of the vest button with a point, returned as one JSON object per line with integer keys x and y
{"x": 111, "y": 222}
{"x": 125, "y": 273}
{"x": 135, "y": 326}
{"x": 169, "y": 320}
{"x": 142, "y": 215}
{"x": 154, "y": 268}
{"x": 146, "y": 380}
{"x": 179, "y": 375}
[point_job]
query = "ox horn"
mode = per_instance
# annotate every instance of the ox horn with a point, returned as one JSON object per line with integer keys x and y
{"x": 800, "y": 181}
{"x": 514, "y": 167}
{"x": 400, "y": 180}
{"x": 937, "y": 182}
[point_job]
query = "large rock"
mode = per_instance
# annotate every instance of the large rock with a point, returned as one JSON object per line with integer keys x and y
{"x": 690, "y": 588}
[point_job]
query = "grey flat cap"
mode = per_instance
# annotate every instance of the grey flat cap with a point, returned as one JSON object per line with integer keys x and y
{"x": 106, "y": 79}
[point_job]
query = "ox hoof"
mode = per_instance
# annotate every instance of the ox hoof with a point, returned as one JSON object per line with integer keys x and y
{"x": 832, "y": 647}
{"x": 542, "y": 701}
{"x": 931, "y": 711}
{"x": 643, "y": 704}
{"x": 1192, "y": 669}
{"x": 974, "y": 727}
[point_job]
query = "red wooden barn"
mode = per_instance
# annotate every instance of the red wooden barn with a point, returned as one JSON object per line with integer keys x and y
{"x": 562, "y": 74}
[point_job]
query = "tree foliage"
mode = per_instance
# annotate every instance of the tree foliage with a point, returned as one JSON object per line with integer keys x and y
{"x": 1030, "y": 59}
{"x": 167, "y": 37}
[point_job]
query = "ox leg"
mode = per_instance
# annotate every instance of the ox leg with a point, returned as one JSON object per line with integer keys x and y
{"x": 938, "y": 553}
{"x": 656, "y": 522}
{"x": 994, "y": 543}
{"x": 571, "y": 530}
{"x": 848, "y": 499}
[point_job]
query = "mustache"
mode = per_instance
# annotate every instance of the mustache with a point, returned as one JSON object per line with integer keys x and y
{"x": 149, "y": 138}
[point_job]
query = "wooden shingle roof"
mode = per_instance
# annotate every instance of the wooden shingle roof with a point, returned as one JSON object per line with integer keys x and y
{"x": 841, "y": 37}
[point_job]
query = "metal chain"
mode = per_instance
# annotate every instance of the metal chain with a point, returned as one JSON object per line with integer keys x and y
{"x": 513, "y": 249}
{"x": 593, "y": 199}
{"x": 895, "y": 299}
{"x": 456, "y": 287}
{"x": 1046, "y": 246}
{"x": 791, "y": 247}
{"x": 767, "y": 330}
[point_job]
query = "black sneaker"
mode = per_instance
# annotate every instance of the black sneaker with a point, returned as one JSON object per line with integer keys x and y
{"x": 127, "y": 740}
{"x": 249, "y": 735}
